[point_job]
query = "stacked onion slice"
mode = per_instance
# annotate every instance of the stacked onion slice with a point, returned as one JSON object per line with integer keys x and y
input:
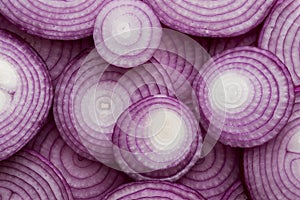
{"x": 25, "y": 93}
{"x": 62, "y": 20}
{"x": 157, "y": 138}
{"x": 92, "y": 94}
{"x": 28, "y": 175}
{"x": 211, "y": 18}
{"x": 154, "y": 190}
{"x": 87, "y": 179}
{"x": 246, "y": 94}
{"x": 215, "y": 174}
{"x": 281, "y": 35}
{"x": 127, "y": 32}
{"x": 272, "y": 170}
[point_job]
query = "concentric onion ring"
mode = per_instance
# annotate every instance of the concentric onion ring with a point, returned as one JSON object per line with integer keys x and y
{"x": 127, "y": 32}
{"x": 28, "y": 175}
{"x": 251, "y": 89}
{"x": 25, "y": 93}
{"x": 211, "y": 18}
{"x": 235, "y": 192}
{"x": 61, "y": 20}
{"x": 87, "y": 179}
{"x": 154, "y": 190}
{"x": 281, "y": 35}
{"x": 157, "y": 138}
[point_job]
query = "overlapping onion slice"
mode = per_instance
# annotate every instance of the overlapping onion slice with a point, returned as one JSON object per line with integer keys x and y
{"x": 87, "y": 179}
{"x": 211, "y": 18}
{"x": 154, "y": 190}
{"x": 281, "y": 35}
{"x": 25, "y": 93}
{"x": 272, "y": 170}
{"x": 61, "y": 20}
{"x": 157, "y": 138}
{"x": 235, "y": 192}
{"x": 28, "y": 175}
{"x": 215, "y": 174}
{"x": 127, "y": 32}
{"x": 92, "y": 94}
{"x": 56, "y": 53}
{"x": 247, "y": 93}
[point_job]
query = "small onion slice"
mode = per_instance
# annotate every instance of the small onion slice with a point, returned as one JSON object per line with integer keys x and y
{"x": 25, "y": 93}
{"x": 214, "y": 175}
{"x": 212, "y": 18}
{"x": 271, "y": 171}
{"x": 127, "y": 32}
{"x": 87, "y": 179}
{"x": 28, "y": 175}
{"x": 250, "y": 91}
{"x": 281, "y": 35}
{"x": 60, "y": 20}
{"x": 157, "y": 138}
{"x": 160, "y": 190}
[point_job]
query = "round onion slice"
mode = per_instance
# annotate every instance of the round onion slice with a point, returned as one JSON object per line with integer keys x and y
{"x": 214, "y": 175}
{"x": 281, "y": 35}
{"x": 154, "y": 190}
{"x": 87, "y": 179}
{"x": 251, "y": 89}
{"x": 272, "y": 170}
{"x": 211, "y": 18}
{"x": 56, "y": 53}
{"x": 91, "y": 95}
{"x": 127, "y": 32}
{"x": 25, "y": 93}
{"x": 28, "y": 175}
{"x": 61, "y": 20}
{"x": 157, "y": 138}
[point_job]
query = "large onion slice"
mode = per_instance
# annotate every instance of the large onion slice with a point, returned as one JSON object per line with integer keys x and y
{"x": 214, "y": 175}
{"x": 281, "y": 35}
{"x": 212, "y": 18}
{"x": 56, "y": 53}
{"x": 92, "y": 94}
{"x": 247, "y": 93}
{"x": 28, "y": 175}
{"x": 157, "y": 138}
{"x": 87, "y": 179}
{"x": 25, "y": 93}
{"x": 154, "y": 190}
{"x": 272, "y": 170}
{"x": 62, "y": 20}
{"x": 127, "y": 32}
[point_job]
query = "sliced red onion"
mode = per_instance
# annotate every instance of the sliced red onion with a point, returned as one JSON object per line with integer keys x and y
{"x": 272, "y": 170}
{"x": 25, "y": 93}
{"x": 28, "y": 175}
{"x": 91, "y": 95}
{"x": 235, "y": 192}
{"x": 248, "y": 90}
{"x": 127, "y": 32}
{"x": 87, "y": 179}
{"x": 157, "y": 138}
{"x": 154, "y": 190}
{"x": 281, "y": 35}
{"x": 60, "y": 20}
{"x": 56, "y": 53}
{"x": 211, "y": 18}
{"x": 214, "y": 175}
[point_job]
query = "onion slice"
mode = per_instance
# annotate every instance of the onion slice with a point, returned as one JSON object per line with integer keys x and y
{"x": 212, "y": 18}
{"x": 127, "y": 32}
{"x": 247, "y": 93}
{"x": 28, "y": 175}
{"x": 60, "y": 20}
{"x": 25, "y": 93}
{"x": 157, "y": 138}
{"x": 87, "y": 179}
{"x": 154, "y": 190}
